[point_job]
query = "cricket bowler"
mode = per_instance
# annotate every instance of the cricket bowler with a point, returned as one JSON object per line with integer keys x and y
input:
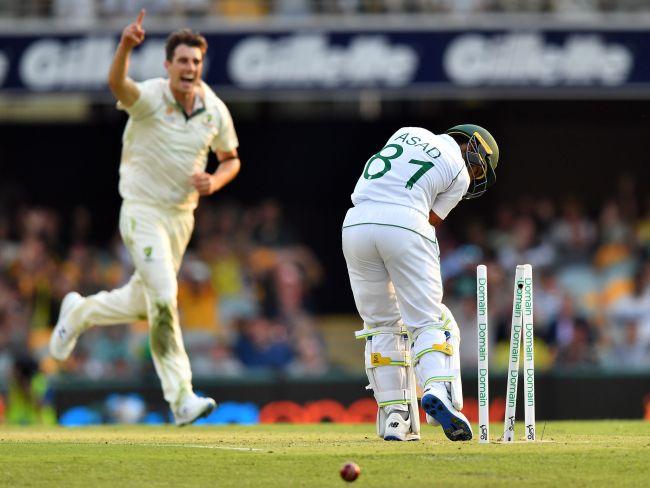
{"x": 173, "y": 123}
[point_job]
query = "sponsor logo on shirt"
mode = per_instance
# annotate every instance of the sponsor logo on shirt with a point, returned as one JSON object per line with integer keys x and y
{"x": 208, "y": 120}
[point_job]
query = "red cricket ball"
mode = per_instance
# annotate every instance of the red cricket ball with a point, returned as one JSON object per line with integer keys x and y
{"x": 350, "y": 471}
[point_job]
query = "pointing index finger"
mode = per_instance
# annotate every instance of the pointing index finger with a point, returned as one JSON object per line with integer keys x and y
{"x": 140, "y": 17}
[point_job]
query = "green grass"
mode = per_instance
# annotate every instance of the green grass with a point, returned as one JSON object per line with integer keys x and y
{"x": 576, "y": 454}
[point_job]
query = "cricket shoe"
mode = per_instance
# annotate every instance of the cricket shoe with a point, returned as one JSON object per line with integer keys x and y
{"x": 193, "y": 408}
{"x": 437, "y": 404}
{"x": 65, "y": 334}
{"x": 397, "y": 429}
{"x": 432, "y": 421}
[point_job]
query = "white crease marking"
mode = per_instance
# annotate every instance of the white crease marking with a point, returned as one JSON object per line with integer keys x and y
{"x": 200, "y": 446}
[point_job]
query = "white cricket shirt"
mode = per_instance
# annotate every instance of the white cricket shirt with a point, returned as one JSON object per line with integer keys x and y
{"x": 415, "y": 172}
{"x": 162, "y": 147}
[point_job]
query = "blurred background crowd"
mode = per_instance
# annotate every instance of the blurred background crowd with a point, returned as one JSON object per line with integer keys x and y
{"x": 248, "y": 284}
{"x": 90, "y": 10}
{"x": 263, "y": 290}
{"x": 244, "y": 293}
{"x": 591, "y": 270}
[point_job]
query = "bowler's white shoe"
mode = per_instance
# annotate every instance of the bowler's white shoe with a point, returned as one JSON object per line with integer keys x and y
{"x": 67, "y": 331}
{"x": 193, "y": 408}
{"x": 397, "y": 429}
{"x": 437, "y": 404}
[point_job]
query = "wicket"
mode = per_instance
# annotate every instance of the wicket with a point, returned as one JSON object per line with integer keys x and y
{"x": 483, "y": 374}
{"x": 522, "y": 327}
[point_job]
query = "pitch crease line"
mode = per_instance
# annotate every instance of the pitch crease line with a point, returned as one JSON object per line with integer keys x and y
{"x": 199, "y": 446}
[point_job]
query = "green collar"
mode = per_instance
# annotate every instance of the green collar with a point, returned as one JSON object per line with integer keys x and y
{"x": 199, "y": 103}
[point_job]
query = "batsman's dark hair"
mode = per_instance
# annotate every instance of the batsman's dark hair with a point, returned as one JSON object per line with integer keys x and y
{"x": 187, "y": 37}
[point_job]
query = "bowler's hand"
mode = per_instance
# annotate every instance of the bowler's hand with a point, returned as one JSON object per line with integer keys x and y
{"x": 203, "y": 182}
{"x": 133, "y": 34}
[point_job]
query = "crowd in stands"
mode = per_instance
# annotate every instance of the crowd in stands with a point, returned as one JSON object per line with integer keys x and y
{"x": 244, "y": 287}
{"x": 243, "y": 294}
{"x": 591, "y": 270}
{"x": 89, "y": 10}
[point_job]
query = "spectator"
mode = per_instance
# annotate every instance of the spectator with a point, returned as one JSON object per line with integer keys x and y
{"x": 571, "y": 337}
{"x": 263, "y": 344}
{"x": 628, "y": 351}
{"x": 27, "y": 401}
{"x": 574, "y": 234}
{"x": 634, "y": 309}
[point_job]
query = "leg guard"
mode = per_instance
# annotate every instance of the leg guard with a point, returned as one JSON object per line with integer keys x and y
{"x": 390, "y": 372}
{"x": 436, "y": 356}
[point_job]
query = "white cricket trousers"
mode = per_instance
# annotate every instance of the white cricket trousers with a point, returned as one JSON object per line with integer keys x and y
{"x": 156, "y": 239}
{"x": 394, "y": 275}
{"x": 395, "y": 278}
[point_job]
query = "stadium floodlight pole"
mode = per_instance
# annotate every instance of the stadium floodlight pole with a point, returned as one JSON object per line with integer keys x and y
{"x": 529, "y": 353}
{"x": 483, "y": 339}
{"x": 513, "y": 359}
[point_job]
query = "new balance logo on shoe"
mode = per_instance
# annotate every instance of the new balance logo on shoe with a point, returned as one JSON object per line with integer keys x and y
{"x": 393, "y": 425}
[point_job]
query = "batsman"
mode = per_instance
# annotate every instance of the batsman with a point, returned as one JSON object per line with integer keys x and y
{"x": 393, "y": 259}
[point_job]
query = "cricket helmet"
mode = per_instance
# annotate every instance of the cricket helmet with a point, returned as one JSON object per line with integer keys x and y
{"x": 481, "y": 156}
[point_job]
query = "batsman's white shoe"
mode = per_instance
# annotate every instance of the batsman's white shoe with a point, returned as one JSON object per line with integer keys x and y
{"x": 193, "y": 408}
{"x": 437, "y": 404}
{"x": 397, "y": 429}
{"x": 65, "y": 334}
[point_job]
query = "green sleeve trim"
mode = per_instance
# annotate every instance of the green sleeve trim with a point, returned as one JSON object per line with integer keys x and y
{"x": 391, "y": 225}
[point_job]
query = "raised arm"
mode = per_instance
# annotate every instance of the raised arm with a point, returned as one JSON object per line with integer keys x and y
{"x": 123, "y": 87}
